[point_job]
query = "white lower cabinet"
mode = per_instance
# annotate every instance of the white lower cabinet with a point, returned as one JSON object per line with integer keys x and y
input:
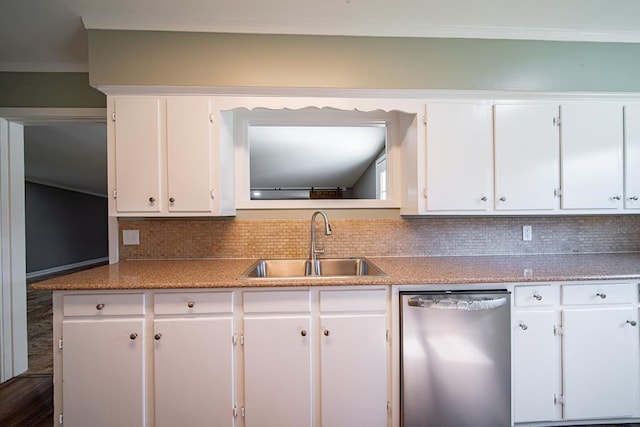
{"x": 103, "y": 377}
{"x": 534, "y": 368}
{"x": 354, "y": 358}
{"x": 277, "y": 369}
{"x": 596, "y": 374}
{"x": 536, "y": 354}
{"x": 298, "y": 359}
{"x": 255, "y": 358}
{"x": 193, "y": 359}
{"x": 277, "y": 358}
{"x": 600, "y": 352}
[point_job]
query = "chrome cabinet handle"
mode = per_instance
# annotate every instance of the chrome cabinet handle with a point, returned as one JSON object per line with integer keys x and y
{"x": 538, "y": 297}
{"x": 191, "y": 304}
{"x": 484, "y": 198}
{"x": 523, "y": 326}
{"x": 634, "y": 198}
{"x": 303, "y": 332}
{"x": 503, "y": 199}
{"x": 152, "y": 199}
{"x": 99, "y": 306}
{"x": 616, "y": 197}
{"x": 133, "y": 336}
{"x": 326, "y": 332}
{"x": 632, "y": 322}
{"x": 601, "y": 295}
{"x": 171, "y": 199}
{"x": 157, "y": 336}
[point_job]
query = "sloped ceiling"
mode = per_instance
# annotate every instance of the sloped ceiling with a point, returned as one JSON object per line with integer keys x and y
{"x": 70, "y": 156}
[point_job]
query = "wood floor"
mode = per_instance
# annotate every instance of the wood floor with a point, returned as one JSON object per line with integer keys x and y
{"x": 27, "y": 401}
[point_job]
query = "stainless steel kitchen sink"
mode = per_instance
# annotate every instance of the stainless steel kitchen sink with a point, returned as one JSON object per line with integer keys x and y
{"x": 301, "y": 268}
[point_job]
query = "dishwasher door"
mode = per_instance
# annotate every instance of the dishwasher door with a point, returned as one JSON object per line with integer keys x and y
{"x": 456, "y": 359}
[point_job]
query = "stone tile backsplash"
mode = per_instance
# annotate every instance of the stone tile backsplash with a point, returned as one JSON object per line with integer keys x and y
{"x": 433, "y": 236}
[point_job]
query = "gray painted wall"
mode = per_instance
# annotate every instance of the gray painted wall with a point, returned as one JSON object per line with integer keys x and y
{"x": 63, "y": 227}
{"x": 246, "y": 60}
{"x": 49, "y": 90}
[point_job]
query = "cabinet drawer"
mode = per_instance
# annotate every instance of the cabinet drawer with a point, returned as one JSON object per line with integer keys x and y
{"x": 103, "y": 305}
{"x": 193, "y": 303}
{"x": 615, "y": 293}
{"x": 365, "y": 300}
{"x": 276, "y": 302}
{"x": 533, "y": 296}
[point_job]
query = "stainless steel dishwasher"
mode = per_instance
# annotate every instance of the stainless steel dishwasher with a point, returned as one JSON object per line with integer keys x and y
{"x": 455, "y": 359}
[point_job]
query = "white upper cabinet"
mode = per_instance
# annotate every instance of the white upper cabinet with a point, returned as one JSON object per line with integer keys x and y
{"x": 166, "y": 157}
{"x": 189, "y": 154}
{"x": 137, "y": 146}
{"x": 632, "y": 157}
{"x": 526, "y": 156}
{"x": 592, "y": 156}
{"x": 459, "y": 161}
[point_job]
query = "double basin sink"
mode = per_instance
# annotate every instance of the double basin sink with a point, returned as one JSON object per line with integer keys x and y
{"x": 301, "y": 268}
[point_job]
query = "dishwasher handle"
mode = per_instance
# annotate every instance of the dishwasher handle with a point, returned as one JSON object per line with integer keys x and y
{"x": 463, "y": 303}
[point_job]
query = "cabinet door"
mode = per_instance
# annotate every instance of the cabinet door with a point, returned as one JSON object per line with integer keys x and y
{"x": 189, "y": 151}
{"x": 193, "y": 372}
{"x": 103, "y": 372}
{"x": 137, "y": 154}
{"x": 592, "y": 144}
{"x": 459, "y": 164}
{"x": 600, "y": 354}
{"x": 277, "y": 376}
{"x": 536, "y": 362}
{"x": 354, "y": 368}
{"x": 632, "y": 157}
{"x": 527, "y": 157}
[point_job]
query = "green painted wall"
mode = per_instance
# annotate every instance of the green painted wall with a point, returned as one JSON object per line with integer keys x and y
{"x": 49, "y": 90}
{"x": 244, "y": 60}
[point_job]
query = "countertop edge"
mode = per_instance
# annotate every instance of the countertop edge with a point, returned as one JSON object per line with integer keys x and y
{"x": 220, "y": 274}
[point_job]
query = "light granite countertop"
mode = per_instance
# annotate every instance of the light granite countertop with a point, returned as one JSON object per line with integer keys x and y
{"x": 224, "y": 273}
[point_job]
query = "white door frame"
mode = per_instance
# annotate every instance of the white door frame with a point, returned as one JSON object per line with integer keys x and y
{"x": 13, "y": 295}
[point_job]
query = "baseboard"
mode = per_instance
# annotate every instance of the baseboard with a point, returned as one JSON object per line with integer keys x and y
{"x": 63, "y": 268}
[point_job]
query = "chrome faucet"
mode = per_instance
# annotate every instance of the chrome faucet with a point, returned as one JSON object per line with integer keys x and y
{"x": 313, "y": 255}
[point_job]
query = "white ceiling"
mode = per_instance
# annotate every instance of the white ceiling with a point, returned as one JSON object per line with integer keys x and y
{"x": 37, "y": 35}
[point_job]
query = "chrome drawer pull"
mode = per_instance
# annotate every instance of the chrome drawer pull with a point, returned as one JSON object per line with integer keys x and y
{"x": 632, "y": 322}
{"x": 601, "y": 295}
{"x": 99, "y": 306}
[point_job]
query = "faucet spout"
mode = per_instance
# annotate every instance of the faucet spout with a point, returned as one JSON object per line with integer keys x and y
{"x": 313, "y": 254}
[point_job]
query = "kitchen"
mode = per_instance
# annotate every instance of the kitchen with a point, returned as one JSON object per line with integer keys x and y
{"x": 392, "y": 235}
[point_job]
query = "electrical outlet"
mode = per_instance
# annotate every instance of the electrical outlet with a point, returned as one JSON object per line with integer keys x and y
{"x": 527, "y": 233}
{"x": 130, "y": 237}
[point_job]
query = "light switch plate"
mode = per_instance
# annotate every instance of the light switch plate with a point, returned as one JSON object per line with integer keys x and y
{"x": 527, "y": 233}
{"x": 130, "y": 237}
